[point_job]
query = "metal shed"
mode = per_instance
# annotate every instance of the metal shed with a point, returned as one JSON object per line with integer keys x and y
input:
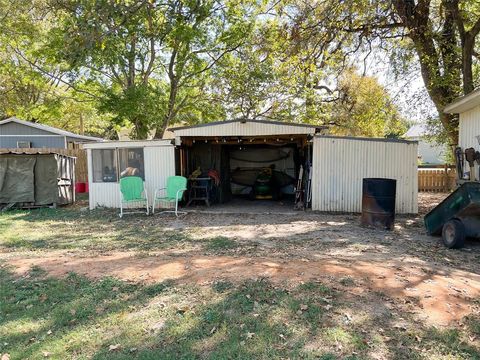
{"x": 36, "y": 179}
{"x": 340, "y": 164}
{"x": 106, "y": 160}
{"x": 337, "y": 164}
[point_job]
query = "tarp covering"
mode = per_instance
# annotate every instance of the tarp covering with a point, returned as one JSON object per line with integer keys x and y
{"x": 247, "y": 177}
{"x": 28, "y": 179}
{"x": 46, "y": 189}
{"x": 16, "y": 178}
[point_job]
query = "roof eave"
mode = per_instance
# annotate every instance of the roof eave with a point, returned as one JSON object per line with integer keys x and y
{"x": 273, "y": 122}
{"x": 464, "y": 103}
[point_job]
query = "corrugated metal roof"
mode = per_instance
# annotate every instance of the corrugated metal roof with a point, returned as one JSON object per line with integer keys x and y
{"x": 370, "y": 139}
{"x": 243, "y": 121}
{"x": 245, "y": 128}
{"x": 127, "y": 144}
{"x": 33, "y": 151}
{"x": 50, "y": 129}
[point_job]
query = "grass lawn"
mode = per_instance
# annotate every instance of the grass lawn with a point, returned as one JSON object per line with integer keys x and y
{"x": 75, "y": 317}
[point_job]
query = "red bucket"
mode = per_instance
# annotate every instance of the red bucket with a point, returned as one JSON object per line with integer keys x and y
{"x": 86, "y": 187}
{"x": 79, "y": 187}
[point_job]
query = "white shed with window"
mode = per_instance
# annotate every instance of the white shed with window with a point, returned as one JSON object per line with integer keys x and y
{"x": 153, "y": 161}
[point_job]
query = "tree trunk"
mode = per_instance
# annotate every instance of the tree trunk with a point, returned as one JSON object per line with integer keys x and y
{"x": 169, "y": 115}
{"x": 467, "y": 64}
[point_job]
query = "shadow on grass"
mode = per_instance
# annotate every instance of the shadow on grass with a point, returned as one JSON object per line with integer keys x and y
{"x": 66, "y": 229}
{"x": 74, "y": 317}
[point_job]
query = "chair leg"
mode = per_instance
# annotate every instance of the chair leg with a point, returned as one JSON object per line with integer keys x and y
{"x": 153, "y": 206}
{"x": 121, "y": 210}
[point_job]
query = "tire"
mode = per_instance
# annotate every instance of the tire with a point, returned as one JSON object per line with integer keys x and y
{"x": 453, "y": 234}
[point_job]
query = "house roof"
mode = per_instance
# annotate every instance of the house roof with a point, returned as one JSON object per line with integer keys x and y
{"x": 464, "y": 103}
{"x": 416, "y": 131}
{"x": 50, "y": 129}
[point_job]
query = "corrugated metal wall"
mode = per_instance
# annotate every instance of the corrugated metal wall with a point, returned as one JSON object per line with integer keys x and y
{"x": 244, "y": 129}
{"x": 340, "y": 164}
{"x": 469, "y": 129}
{"x": 159, "y": 164}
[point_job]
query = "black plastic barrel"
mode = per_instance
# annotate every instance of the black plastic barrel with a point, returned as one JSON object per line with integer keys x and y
{"x": 378, "y": 202}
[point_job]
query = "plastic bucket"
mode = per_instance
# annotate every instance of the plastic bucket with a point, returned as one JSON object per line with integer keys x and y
{"x": 79, "y": 187}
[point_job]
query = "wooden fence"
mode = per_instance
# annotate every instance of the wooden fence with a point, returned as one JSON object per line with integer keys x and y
{"x": 81, "y": 169}
{"x": 436, "y": 179}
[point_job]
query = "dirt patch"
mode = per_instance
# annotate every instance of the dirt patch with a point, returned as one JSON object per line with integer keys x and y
{"x": 406, "y": 267}
{"x": 436, "y": 296}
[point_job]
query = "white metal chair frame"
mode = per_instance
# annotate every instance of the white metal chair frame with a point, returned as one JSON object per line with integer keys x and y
{"x": 142, "y": 201}
{"x": 176, "y": 202}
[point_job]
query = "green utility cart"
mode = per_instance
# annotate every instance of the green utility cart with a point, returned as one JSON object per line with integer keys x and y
{"x": 456, "y": 217}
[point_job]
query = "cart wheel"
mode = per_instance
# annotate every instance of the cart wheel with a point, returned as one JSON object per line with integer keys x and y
{"x": 453, "y": 234}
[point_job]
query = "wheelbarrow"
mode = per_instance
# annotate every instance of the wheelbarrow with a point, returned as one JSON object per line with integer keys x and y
{"x": 457, "y": 217}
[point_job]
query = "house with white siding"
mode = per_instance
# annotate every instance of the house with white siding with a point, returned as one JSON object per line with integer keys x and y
{"x": 428, "y": 152}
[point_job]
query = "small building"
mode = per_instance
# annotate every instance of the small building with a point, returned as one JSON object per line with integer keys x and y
{"x": 41, "y": 178}
{"x": 428, "y": 152}
{"x": 155, "y": 160}
{"x": 468, "y": 109}
{"x": 236, "y": 153}
{"x": 16, "y": 133}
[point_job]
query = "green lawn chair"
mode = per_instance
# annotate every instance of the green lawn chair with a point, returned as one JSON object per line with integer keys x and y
{"x": 173, "y": 193}
{"x": 133, "y": 193}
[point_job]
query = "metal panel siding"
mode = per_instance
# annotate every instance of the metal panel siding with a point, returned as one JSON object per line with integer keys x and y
{"x": 468, "y": 130}
{"x": 13, "y": 128}
{"x": 53, "y": 141}
{"x": 104, "y": 194}
{"x": 159, "y": 164}
{"x": 244, "y": 129}
{"x": 339, "y": 165}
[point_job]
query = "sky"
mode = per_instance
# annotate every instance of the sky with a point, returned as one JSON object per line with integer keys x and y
{"x": 408, "y": 93}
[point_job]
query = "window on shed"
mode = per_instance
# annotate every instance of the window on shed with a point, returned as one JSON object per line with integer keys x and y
{"x": 104, "y": 164}
{"x": 131, "y": 162}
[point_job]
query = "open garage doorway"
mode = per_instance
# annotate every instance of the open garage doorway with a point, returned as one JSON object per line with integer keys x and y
{"x": 265, "y": 172}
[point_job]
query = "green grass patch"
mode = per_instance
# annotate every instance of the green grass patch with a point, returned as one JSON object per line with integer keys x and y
{"x": 77, "y": 318}
{"x": 220, "y": 243}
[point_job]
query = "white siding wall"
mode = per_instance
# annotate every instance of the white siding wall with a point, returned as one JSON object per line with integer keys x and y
{"x": 340, "y": 164}
{"x": 469, "y": 129}
{"x": 159, "y": 164}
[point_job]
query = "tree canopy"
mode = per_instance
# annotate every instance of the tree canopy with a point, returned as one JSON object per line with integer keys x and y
{"x": 98, "y": 66}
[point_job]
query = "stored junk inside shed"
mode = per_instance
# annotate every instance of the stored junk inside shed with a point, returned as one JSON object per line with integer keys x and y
{"x": 36, "y": 179}
{"x": 250, "y": 159}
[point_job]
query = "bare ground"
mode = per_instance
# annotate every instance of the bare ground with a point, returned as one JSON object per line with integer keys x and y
{"x": 405, "y": 269}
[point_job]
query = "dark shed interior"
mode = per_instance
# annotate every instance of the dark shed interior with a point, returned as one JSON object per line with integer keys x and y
{"x": 255, "y": 168}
